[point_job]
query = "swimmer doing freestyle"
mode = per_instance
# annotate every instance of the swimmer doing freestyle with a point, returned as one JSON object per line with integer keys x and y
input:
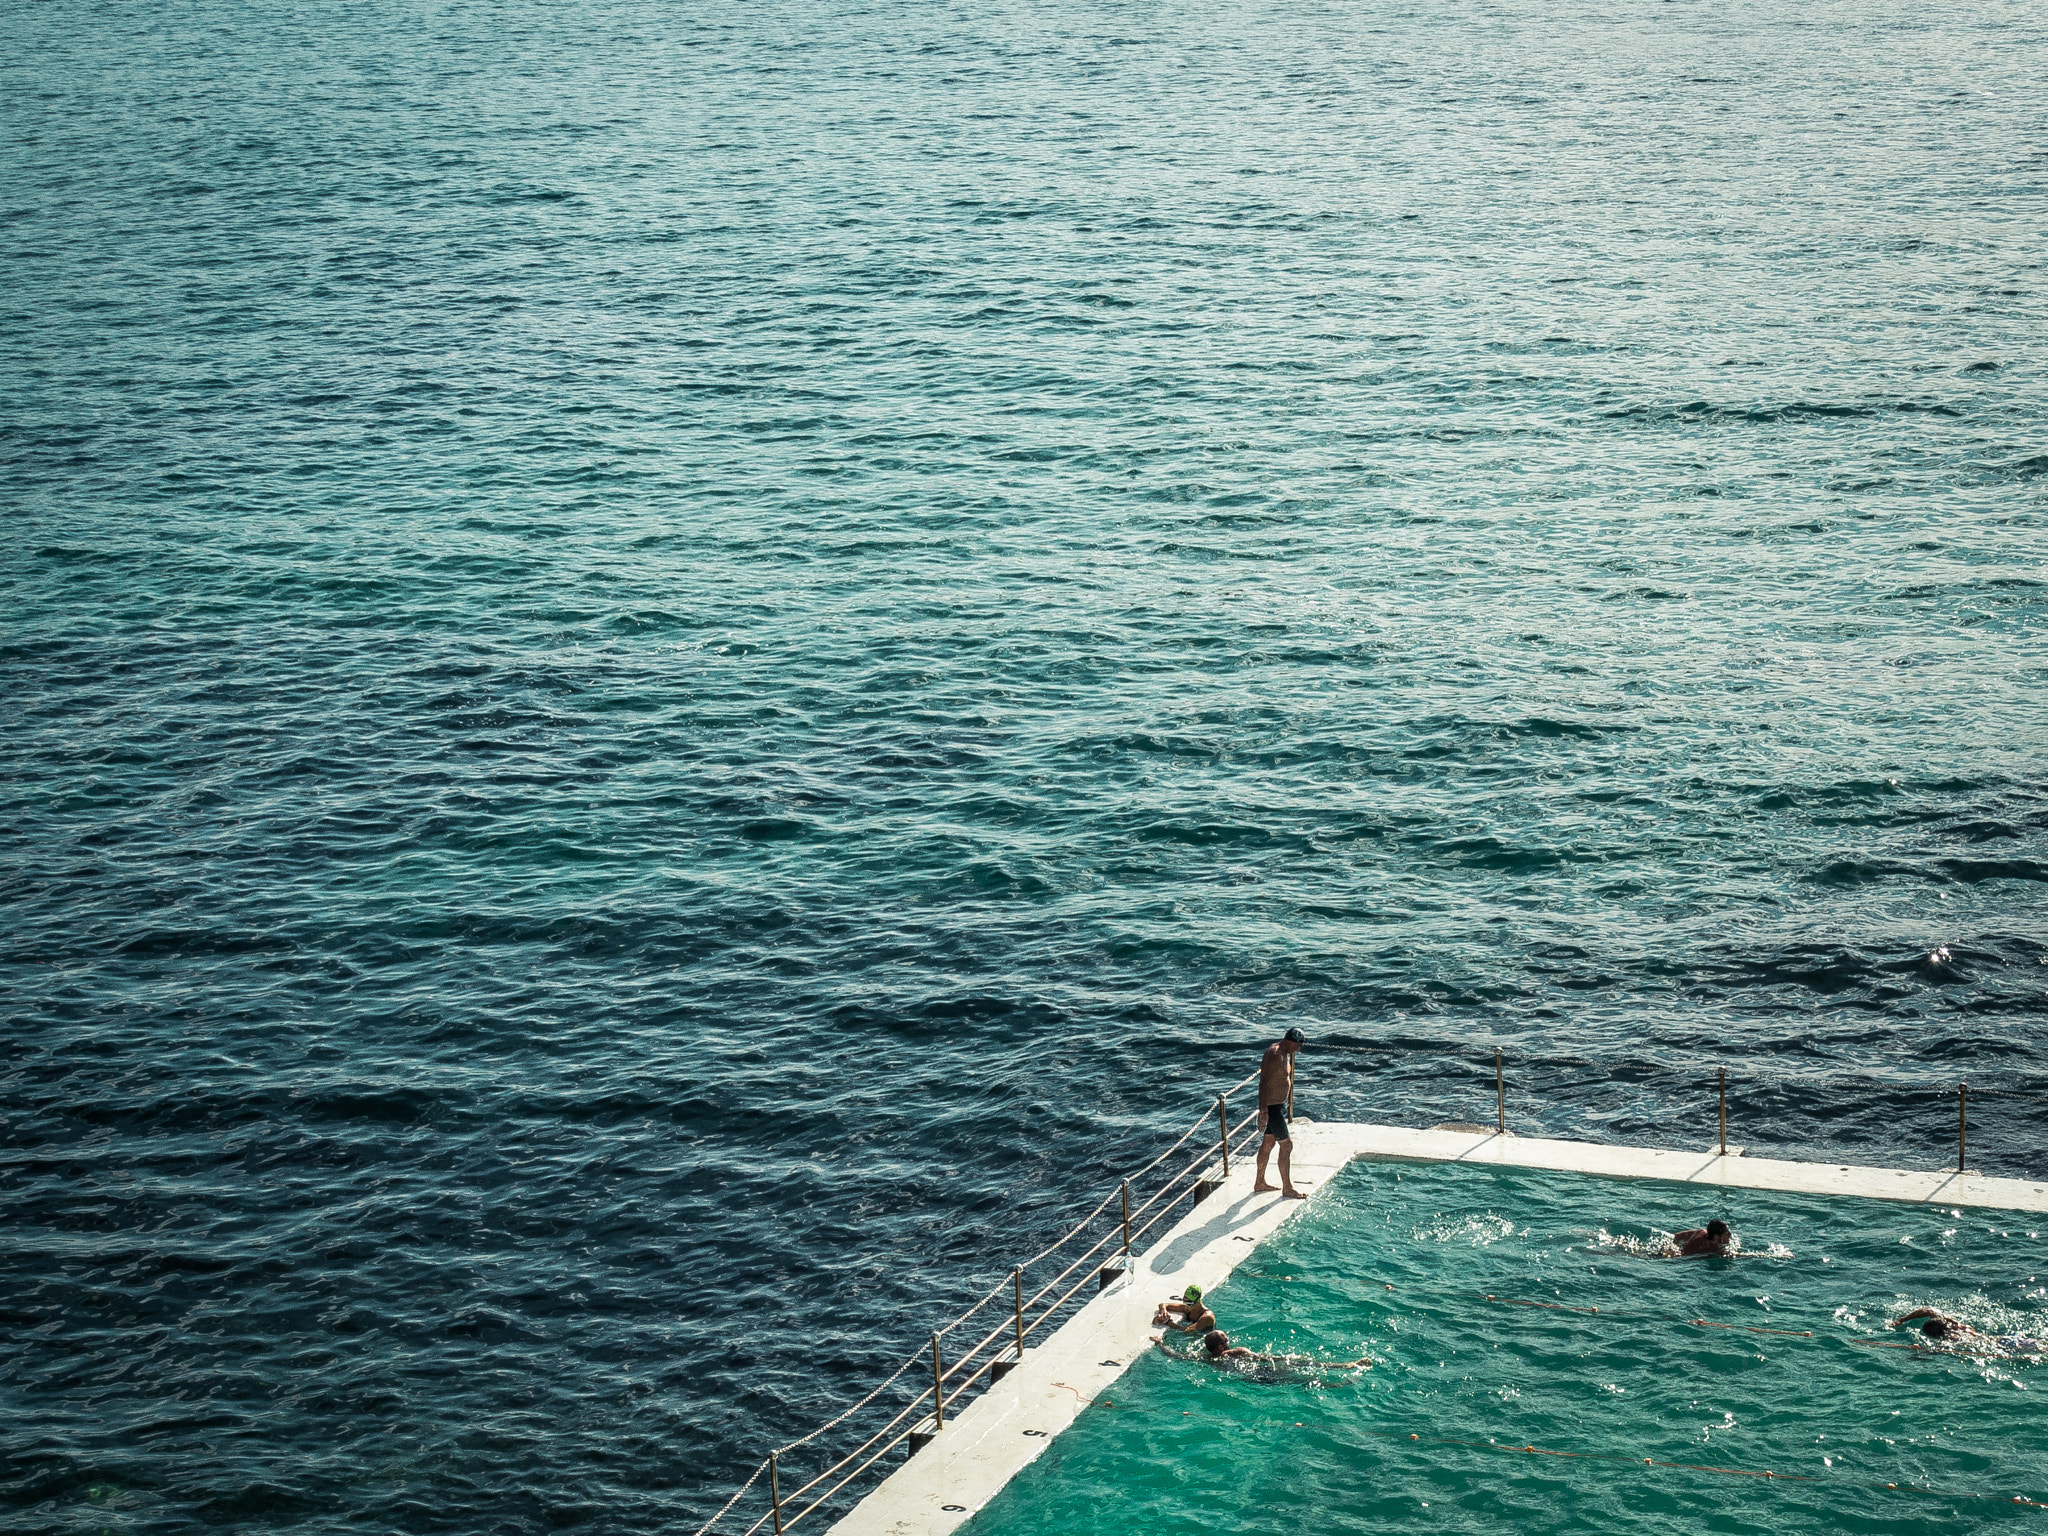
{"x": 1219, "y": 1350}
{"x": 1944, "y": 1329}
{"x": 1713, "y": 1241}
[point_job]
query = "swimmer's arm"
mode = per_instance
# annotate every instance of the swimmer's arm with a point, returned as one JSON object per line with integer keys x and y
{"x": 1916, "y": 1312}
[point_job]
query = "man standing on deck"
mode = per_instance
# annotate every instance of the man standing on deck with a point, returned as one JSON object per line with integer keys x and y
{"x": 1276, "y": 1088}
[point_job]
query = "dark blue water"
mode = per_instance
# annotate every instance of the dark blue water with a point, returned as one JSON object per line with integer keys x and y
{"x": 669, "y": 674}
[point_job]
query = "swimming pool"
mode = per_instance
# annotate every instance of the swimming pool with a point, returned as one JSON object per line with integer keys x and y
{"x": 1627, "y": 1401}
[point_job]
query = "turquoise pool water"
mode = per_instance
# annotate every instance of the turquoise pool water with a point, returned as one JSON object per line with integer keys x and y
{"x": 1827, "y": 1397}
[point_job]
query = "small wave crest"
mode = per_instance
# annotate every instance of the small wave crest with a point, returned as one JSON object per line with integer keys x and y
{"x": 1655, "y": 1247}
{"x": 1481, "y": 1231}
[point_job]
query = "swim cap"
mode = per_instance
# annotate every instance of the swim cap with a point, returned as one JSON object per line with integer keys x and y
{"x": 1192, "y": 1293}
{"x": 1296, "y": 1036}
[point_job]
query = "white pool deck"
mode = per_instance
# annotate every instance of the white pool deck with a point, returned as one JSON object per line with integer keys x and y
{"x": 1001, "y": 1432}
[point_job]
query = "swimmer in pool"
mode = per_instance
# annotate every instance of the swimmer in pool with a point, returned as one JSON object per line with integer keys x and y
{"x": 1713, "y": 1241}
{"x": 1943, "y": 1329}
{"x": 1218, "y": 1348}
{"x": 1194, "y": 1315}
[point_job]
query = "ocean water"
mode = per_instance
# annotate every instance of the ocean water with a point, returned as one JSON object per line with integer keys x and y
{"x": 671, "y": 676}
{"x": 1506, "y": 1312}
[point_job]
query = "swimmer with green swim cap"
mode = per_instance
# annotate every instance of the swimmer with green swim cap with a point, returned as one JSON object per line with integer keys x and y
{"x": 1193, "y": 1316}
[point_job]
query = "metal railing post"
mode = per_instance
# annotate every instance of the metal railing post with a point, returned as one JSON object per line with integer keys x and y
{"x": 1724, "y": 1111}
{"x": 1017, "y": 1275}
{"x": 1500, "y": 1095}
{"x": 1127, "y": 1221}
{"x": 1223, "y": 1129}
{"x": 1962, "y": 1126}
{"x": 938, "y": 1388}
{"x": 775, "y": 1489}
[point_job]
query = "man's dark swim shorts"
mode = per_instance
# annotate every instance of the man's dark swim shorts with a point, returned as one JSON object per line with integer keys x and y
{"x": 1276, "y": 1121}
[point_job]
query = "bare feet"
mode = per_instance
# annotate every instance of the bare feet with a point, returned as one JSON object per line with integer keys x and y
{"x": 1293, "y": 1194}
{"x": 1264, "y": 1189}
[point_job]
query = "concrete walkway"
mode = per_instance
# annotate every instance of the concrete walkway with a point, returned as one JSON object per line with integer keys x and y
{"x": 1340, "y": 1142}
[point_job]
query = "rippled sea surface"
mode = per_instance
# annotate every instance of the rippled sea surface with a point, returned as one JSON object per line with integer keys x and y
{"x": 671, "y": 674}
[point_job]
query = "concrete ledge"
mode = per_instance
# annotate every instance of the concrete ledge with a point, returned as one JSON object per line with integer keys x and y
{"x": 1001, "y": 1432}
{"x": 1945, "y": 1186}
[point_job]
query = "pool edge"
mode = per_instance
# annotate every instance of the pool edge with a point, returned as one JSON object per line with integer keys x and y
{"x": 1944, "y": 1186}
{"x": 1002, "y": 1432}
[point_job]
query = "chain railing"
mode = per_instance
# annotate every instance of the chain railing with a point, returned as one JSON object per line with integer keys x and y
{"x": 1086, "y": 1257}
